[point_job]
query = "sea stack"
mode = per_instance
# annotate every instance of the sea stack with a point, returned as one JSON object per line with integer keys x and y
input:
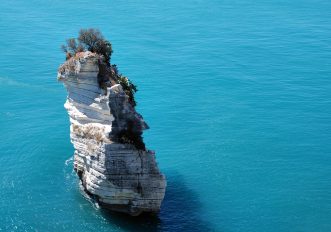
{"x": 110, "y": 158}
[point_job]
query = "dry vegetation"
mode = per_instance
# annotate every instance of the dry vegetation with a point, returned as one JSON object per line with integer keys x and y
{"x": 68, "y": 67}
{"x": 89, "y": 132}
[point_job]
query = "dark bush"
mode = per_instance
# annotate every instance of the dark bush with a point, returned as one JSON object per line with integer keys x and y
{"x": 89, "y": 40}
{"x": 93, "y": 41}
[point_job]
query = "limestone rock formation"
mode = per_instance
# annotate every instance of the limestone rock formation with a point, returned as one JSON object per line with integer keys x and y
{"x": 120, "y": 176}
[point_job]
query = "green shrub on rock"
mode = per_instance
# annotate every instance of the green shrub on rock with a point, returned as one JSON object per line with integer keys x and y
{"x": 88, "y": 40}
{"x": 129, "y": 88}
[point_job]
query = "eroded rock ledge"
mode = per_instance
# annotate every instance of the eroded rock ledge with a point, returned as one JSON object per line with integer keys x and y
{"x": 120, "y": 176}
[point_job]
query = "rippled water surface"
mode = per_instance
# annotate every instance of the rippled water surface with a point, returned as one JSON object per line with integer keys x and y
{"x": 237, "y": 95}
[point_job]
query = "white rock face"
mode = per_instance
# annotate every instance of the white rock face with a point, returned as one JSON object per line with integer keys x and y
{"x": 119, "y": 176}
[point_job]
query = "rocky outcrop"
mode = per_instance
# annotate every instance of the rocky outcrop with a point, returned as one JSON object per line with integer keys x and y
{"x": 120, "y": 176}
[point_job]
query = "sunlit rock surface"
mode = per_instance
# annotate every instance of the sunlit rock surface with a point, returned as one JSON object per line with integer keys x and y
{"x": 119, "y": 176}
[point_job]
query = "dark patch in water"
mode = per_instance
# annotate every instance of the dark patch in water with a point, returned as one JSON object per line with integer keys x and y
{"x": 180, "y": 211}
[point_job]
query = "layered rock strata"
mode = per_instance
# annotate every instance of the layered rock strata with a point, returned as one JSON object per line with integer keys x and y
{"x": 120, "y": 176}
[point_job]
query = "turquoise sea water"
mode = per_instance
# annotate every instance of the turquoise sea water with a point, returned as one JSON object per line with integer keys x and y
{"x": 237, "y": 95}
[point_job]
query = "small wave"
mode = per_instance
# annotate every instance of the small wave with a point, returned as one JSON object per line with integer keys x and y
{"x": 69, "y": 161}
{"x": 7, "y": 114}
{"x": 88, "y": 197}
{"x": 11, "y": 82}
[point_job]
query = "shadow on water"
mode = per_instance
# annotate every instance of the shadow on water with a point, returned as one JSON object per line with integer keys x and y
{"x": 180, "y": 211}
